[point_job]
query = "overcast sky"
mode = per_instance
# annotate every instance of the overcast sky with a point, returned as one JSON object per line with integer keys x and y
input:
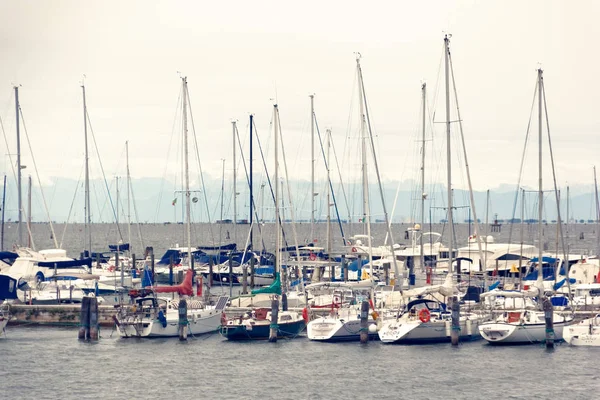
{"x": 240, "y": 55}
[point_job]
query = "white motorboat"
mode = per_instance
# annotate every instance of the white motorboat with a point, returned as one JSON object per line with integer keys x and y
{"x": 586, "y": 295}
{"x": 53, "y": 292}
{"x": 584, "y": 333}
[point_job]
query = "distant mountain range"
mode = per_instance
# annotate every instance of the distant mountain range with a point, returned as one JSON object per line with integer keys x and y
{"x": 158, "y": 200}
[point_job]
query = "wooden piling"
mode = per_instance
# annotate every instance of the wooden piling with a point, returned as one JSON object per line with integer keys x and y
{"x": 183, "y": 321}
{"x": 245, "y": 279}
{"x": 84, "y": 319}
{"x": 386, "y": 273}
{"x": 93, "y": 312}
{"x": 364, "y": 322}
{"x": 252, "y": 262}
{"x": 455, "y": 333}
{"x": 274, "y": 327}
{"x": 210, "y": 273}
{"x": 171, "y": 270}
{"x": 152, "y": 263}
{"x": 284, "y": 302}
{"x": 230, "y": 275}
{"x": 549, "y": 321}
{"x": 345, "y": 269}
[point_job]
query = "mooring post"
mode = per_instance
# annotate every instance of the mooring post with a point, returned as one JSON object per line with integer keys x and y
{"x": 84, "y": 318}
{"x": 245, "y": 279}
{"x": 345, "y": 267}
{"x": 284, "y": 302}
{"x": 210, "y": 273}
{"x": 230, "y": 275}
{"x": 133, "y": 267}
{"x": 274, "y": 327}
{"x": 364, "y": 321}
{"x": 386, "y": 273}
{"x": 152, "y": 263}
{"x": 94, "y": 325}
{"x": 183, "y": 321}
{"x": 549, "y": 320}
{"x": 171, "y": 270}
{"x": 455, "y": 333}
{"x": 252, "y": 261}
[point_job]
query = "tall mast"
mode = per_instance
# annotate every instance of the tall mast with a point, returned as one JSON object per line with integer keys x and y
{"x": 448, "y": 154}
{"x": 597, "y": 215}
{"x": 540, "y": 189}
{"x": 20, "y": 225}
{"x": 568, "y": 243}
{"x": 3, "y": 207}
{"x": 312, "y": 167}
{"x": 187, "y": 172}
{"x": 222, "y": 200}
{"x": 29, "y": 212}
{"x": 328, "y": 194}
{"x": 277, "y": 223}
{"x": 424, "y": 92}
{"x": 233, "y": 123}
{"x": 117, "y": 186}
{"x": 366, "y": 213}
{"x": 86, "y": 206}
{"x": 128, "y": 197}
{"x": 522, "y": 240}
{"x": 250, "y": 179}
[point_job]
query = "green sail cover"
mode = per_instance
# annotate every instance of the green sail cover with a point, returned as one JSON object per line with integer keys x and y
{"x": 274, "y": 288}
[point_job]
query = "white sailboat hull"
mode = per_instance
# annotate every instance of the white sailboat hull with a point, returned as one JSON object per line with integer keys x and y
{"x": 585, "y": 333}
{"x": 200, "y": 322}
{"x": 332, "y": 329}
{"x": 507, "y": 333}
{"x": 417, "y": 332}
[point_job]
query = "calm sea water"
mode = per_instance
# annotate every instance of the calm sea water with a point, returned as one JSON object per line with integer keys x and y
{"x": 162, "y": 236}
{"x": 50, "y": 363}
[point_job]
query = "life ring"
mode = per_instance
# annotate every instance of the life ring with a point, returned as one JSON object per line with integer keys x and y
{"x": 354, "y": 250}
{"x": 312, "y": 256}
{"x": 424, "y": 315}
{"x": 111, "y": 268}
{"x": 336, "y": 301}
